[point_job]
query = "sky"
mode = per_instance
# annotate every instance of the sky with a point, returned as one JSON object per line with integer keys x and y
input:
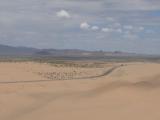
{"x": 108, "y": 25}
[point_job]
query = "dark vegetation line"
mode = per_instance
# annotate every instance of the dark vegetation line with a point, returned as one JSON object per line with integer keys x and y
{"x": 91, "y": 77}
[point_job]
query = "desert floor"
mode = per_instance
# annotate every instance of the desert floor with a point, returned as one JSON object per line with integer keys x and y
{"x": 34, "y": 91}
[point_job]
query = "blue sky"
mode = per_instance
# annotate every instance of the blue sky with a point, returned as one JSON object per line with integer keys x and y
{"x": 110, "y": 25}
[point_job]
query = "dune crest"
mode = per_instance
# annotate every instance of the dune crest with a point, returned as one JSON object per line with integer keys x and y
{"x": 120, "y": 91}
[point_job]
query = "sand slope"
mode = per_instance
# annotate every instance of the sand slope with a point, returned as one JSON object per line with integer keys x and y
{"x": 131, "y": 92}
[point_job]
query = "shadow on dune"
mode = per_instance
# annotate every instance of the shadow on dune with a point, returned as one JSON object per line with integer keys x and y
{"x": 147, "y": 84}
{"x": 151, "y": 82}
{"x": 44, "y": 99}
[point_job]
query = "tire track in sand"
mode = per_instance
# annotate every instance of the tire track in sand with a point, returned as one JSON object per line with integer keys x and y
{"x": 81, "y": 78}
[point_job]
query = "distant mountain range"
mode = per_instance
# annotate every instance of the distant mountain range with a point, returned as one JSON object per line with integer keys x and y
{"x": 6, "y": 50}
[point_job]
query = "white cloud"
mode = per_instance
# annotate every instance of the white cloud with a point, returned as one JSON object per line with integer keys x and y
{"x": 63, "y": 14}
{"x": 84, "y": 25}
{"x": 94, "y": 28}
{"x": 118, "y": 30}
{"x": 106, "y": 30}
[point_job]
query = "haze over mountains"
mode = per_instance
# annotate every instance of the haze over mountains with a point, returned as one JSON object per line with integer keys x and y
{"x": 6, "y": 50}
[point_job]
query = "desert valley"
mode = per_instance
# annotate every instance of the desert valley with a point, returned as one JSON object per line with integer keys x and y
{"x": 96, "y": 90}
{"x": 79, "y": 59}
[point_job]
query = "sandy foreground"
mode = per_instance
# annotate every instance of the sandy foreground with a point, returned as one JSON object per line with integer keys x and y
{"x": 128, "y": 92}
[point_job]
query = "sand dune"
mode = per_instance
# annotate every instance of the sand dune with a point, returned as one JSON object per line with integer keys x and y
{"x": 129, "y": 92}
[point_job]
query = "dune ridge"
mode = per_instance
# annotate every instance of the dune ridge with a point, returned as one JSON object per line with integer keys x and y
{"x": 131, "y": 91}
